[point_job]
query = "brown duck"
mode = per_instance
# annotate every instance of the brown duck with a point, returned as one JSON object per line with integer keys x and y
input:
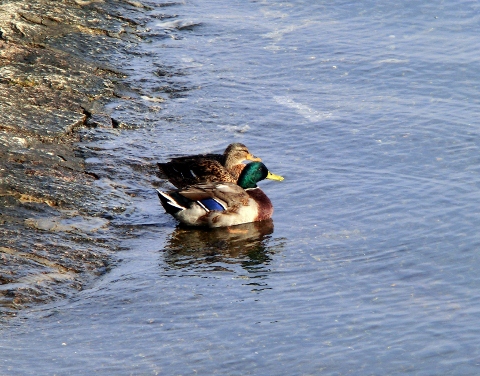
{"x": 205, "y": 168}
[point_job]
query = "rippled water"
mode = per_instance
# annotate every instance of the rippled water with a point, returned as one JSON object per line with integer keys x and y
{"x": 370, "y": 111}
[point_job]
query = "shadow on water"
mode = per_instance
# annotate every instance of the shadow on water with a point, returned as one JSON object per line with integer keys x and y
{"x": 203, "y": 250}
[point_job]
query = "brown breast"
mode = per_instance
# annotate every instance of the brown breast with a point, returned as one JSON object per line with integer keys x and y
{"x": 265, "y": 207}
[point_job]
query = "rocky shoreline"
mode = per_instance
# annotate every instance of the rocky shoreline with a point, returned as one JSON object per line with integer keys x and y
{"x": 52, "y": 231}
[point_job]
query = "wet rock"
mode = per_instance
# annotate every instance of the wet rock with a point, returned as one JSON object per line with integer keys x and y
{"x": 80, "y": 223}
{"x": 53, "y": 239}
{"x": 100, "y": 120}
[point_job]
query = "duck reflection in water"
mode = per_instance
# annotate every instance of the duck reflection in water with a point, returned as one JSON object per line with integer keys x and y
{"x": 216, "y": 249}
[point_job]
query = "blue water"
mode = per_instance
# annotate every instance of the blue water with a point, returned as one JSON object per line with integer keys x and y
{"x": 370, "y": 112}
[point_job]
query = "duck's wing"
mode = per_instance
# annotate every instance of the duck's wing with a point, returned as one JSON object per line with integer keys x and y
{"x": 192, "y": 158}
{"x": 227, "y": 194}
{"x": 185, "y": 171}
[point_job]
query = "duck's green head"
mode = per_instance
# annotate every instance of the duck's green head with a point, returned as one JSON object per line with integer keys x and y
{"x": 253, "y": 173}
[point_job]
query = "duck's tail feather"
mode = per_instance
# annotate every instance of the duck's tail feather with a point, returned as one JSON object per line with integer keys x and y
{"x": 169, "y": 203}
{"x": 177, "y": 172}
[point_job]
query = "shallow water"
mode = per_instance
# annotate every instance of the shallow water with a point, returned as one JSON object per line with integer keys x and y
{"x": 370, "y": 112}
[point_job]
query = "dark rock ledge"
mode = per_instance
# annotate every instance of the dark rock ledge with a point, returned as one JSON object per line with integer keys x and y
{"x": 52, "y": 239}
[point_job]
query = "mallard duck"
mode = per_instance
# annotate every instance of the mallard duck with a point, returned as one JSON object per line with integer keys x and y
{"x": 217, "y": 204}
{"x": 193, "y": 169}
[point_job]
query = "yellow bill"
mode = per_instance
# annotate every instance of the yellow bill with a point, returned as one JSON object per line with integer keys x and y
{"x": 274, "y": 177}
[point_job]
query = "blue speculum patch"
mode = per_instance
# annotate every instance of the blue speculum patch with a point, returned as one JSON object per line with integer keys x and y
{"x": 211, "y": 204}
